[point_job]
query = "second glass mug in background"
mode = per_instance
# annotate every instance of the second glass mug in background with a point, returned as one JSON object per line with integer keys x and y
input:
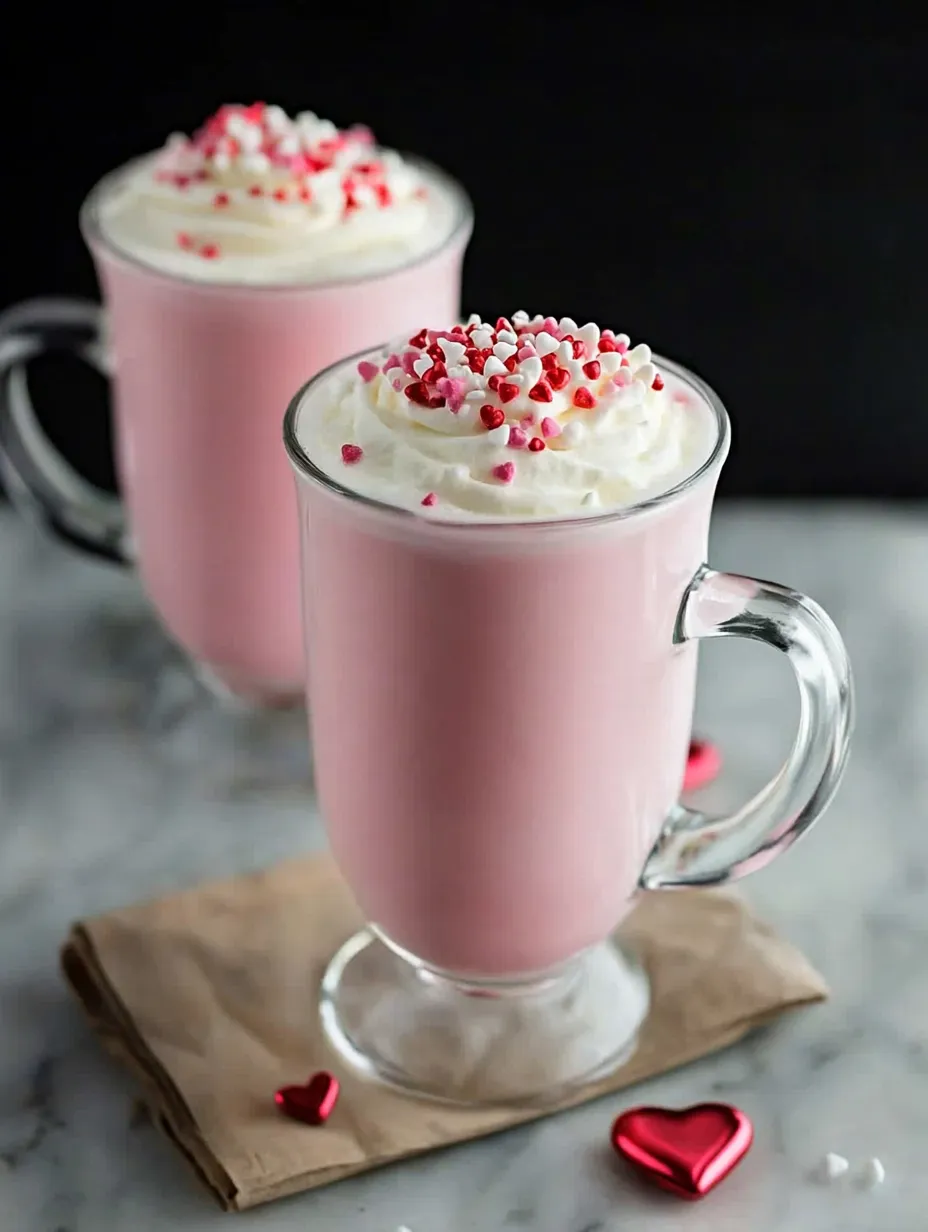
{"x": 200, "y": 371}
{"x": 500, "y": 717}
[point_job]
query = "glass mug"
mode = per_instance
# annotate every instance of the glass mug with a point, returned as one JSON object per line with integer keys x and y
{"x": 500, "y": 715}
{"x": 200, "y": 372}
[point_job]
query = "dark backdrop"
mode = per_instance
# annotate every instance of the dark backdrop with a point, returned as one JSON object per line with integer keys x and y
{"x": 752, "y": 202}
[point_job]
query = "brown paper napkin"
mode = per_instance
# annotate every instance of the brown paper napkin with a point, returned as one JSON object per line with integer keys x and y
{"x": 208, "y": 997}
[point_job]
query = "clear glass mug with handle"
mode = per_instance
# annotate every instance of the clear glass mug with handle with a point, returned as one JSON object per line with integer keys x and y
{"x": 199, "y": 373}
{"x": 500, "y": 715}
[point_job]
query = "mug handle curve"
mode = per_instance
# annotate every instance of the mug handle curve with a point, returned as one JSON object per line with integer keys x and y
{"x": 38, "y": 480}
{"x": 697, "y": 850}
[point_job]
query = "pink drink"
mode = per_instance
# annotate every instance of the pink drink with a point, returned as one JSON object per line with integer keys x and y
{"x": 504, "y": 530}
{"x": 499, "y": 720}
{"x": 234, "y": 264}
{"x": 200, "y": 374}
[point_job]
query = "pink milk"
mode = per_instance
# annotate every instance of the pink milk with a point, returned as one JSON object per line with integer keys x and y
{"x": 500, "y": 717}
{"x": 201, "y": 374}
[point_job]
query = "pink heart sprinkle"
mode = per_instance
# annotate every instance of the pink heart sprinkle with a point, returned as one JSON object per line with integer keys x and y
{"x": 622, "y": 378}
{"x": 518, "y": 437}
{"x": 526, "y": 352}
{"x": 505, "y": 472}
{"x": 550, "y": 427}
{"x": 393, "y": 361}
{"x": 551, "y": 327}
{"x": 352, "y": 453}
{"x": 452, "y": 389}
{"x": 621, "y": 347}
{"x": 366, "y": 370}
{"x": 407, "y": 360}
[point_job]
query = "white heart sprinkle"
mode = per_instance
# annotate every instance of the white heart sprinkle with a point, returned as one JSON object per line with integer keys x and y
{"x": 481, "y": 338}
{"x": 493, "y": 367}
{"x": 589, "y": 334}
{"x": 473, "y": 319}
{"x": 645, "y": 374}
{"x": 568, "y": 326}
{"x": 503, "y": 350}
{"x": 575, "y": 368}
{"x": 517, "y": 318}
{"x": 421, "y": 366}
{"x": 476, "y": 395}
{"x": 452, "y": 351}
{"x": 459, "y": 372}
{"x": 872, "y": 1174}
{"x": 498, "y": 436}
{"x": 532, "y": 369}
{"x": 565, "y": 352}
{"x": 623, "y": 340}
{"x": 641, "y": 354}
{"x": 545, "y": 344}
{"x": 505, "y": 335}
{"x": 832, "y": 1166}
{"x": 611, "y": 362}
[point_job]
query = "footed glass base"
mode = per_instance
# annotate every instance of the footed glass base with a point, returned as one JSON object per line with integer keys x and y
{"x": 482, "y": 1042}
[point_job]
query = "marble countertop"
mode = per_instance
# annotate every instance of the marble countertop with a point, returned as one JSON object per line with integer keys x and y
{"x": 119, "y": 779}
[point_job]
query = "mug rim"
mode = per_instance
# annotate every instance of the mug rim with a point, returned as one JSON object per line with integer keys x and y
{"x": 306, "y": 468}
{"x": 95, "y": 235}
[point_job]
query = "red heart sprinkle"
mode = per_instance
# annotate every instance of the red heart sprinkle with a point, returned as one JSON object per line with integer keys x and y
{"x": 437, "y": 372}
{"x": 541, "y": 392}
{"x": 593, "y": 369}
{"x": 311, "y": 1103}
{"x": 536, "y": 444}
{"x": 418, "y": 393}
{"x": 475, "y": 361}
{"x": 658, "y": 382}
{"x": 511, "y": 363}
{"x": 579, "y": 349}
{"x": 502, "y": 323}
{"x": 430, "y": 499}
{"x": 220, "y": 200}
{"x": 352, "y": 453}
{"x": 687, "y": 1151}
{"x": 435, "y": 352}
{"x": 506, "y": 391}
{"x": 606, "y": 344}
{"x": 583, "y": 398}
{"x": 549, "y": 362}
{"x": 492, "y": 417}
{"x": 494, "y": 382}
{"x": 419, "y": 340}
{"x": 558, "y": 378}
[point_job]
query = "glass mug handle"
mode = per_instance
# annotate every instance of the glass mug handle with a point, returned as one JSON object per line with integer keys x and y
{"x": 37, "y": 478}
{"x": 696, "y": 850}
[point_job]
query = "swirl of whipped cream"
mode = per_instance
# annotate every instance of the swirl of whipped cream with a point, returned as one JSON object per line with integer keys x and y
{"x": 255, "y": 196}
{"x": 522, "y": 419}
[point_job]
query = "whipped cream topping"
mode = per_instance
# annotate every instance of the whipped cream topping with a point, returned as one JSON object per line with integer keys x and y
{"x": 257, "y": 196}
{"x": 524, "y": 419}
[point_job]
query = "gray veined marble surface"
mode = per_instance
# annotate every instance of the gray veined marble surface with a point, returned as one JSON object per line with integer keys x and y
{"x": 118, "y": 780}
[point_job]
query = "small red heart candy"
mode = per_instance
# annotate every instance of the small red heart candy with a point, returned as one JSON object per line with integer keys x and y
{"x": 702, "y": 765}
{"x": 492, "y": 417}
{"x": 687, "y": 1151}
{"x": 506, "y": 391}
{"x": 540, "y": 392}
{"x": 558, "y": 378}
{"x": 311, "y": 1103}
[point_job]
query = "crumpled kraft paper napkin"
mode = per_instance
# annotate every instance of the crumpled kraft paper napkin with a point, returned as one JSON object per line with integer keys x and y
{"x": 209, "y": 997}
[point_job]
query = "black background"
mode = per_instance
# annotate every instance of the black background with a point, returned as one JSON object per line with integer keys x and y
{"x": 749, "y": 198}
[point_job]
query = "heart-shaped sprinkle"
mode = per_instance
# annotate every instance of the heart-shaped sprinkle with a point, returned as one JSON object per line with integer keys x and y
{"x": 352, "y": 454}
{"x": 503, "y": 350}
{"x": 536, "y": 444}
{"x": 541, "y": 392}
{"x": 558, "y": 378}
{"x": 582, "y": 398}
{"x": 610, "y": 362}
{"x": 419, "y": 340}
{"x": 492, "y": 416}
{"x": 453, "y": 351}
{"x": 518, "y": 437}
{"x": 687, "y": 1151}
{"x": 505, "y": 472}
{"x": 429, "y": 500}
{"x": 658, "y": 382}
{"x": 593, "y": 370}
{"x": 506, "y": 391}
{"x": 421, "y": 366}
{"x": 565, "y": 352}
{"x": 499, "y": 435}
{"x": 311, "y": 1103}
{"x": 494, "y": 382}
{"x": 550, "y": 427}
{"x": 494, "y": 367}
{"x": 589, "y": 334}
{"x": 545, "y": 344}
{"x": 418, "y": 393}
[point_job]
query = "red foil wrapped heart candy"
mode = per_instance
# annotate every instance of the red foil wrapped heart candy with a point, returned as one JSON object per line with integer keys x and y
{"x": 312, "y": 1102}
{"x": 687, "y": 1151}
